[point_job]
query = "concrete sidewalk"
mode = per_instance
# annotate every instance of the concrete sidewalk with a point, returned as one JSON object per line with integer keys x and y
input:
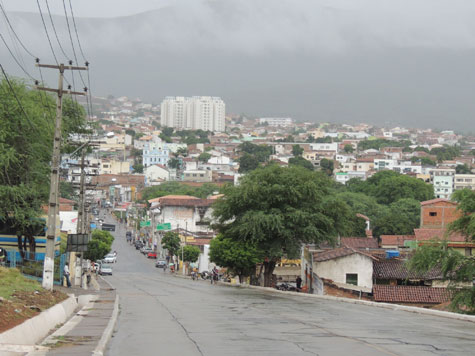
{"x": 88, "y": 332}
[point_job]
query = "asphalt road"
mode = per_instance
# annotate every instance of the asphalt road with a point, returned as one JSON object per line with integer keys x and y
{"x": 161, "y": 314}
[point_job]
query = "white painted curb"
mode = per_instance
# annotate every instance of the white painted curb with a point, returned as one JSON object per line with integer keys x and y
{"x": 444, "y": 314}
{"x": 35, "y": 329}
{"x": 107, "y": 334}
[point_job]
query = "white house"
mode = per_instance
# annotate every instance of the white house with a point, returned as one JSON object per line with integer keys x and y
{"x": 346, "y": 267}
{"x": 156, "y": 172}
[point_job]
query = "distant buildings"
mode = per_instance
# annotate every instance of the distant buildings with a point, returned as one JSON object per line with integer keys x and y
{"x": 276, "y": 121}
{"x": 198, "y": 112}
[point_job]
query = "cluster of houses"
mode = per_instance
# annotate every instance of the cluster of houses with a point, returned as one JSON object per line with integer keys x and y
{"x": 132, "y": 153}
{"x": 366, "y": 267}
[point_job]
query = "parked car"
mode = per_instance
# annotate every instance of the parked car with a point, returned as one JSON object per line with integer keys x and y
{"x": 105, "y": 269}
{"x": 110, "y": 258}
{"x": 152, "y": 255}
{"x": 161, "y": 263}
{"x": 146, "y": 250}
{"x": 138, "y": 245}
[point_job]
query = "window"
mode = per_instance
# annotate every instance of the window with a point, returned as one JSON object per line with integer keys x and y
{"x": 352, "y": 278}
{"x": 432, "y": 213}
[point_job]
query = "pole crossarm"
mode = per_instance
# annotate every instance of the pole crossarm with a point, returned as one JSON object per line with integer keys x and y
{"x": 67, "y": 91}
{"x": 53, "y": 66}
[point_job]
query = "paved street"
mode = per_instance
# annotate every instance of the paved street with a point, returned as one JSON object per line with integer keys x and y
{"x": 164, "y": 315}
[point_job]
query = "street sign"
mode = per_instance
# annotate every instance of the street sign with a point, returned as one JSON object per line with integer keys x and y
{"x": 108, "y": 227}
{"x": 164, "y": 226}
{"x": 144, "y": 223}
{"x": 77, "y": 242}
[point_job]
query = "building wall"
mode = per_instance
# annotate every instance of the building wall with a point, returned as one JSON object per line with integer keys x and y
{"x": 337, "y": 269}
{"x": 198, "y": 112}
{"x": 153, "y": 173}
{"x": 438, "y": 215}
{"x": 464, "y": 181}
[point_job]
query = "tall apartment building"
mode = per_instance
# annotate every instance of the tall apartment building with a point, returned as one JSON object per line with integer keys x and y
{"x": 198, "y": 112}
{"x": 443, "y": 181}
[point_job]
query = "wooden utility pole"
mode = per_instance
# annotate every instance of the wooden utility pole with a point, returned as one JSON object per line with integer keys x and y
{"x": 53, "y": 208}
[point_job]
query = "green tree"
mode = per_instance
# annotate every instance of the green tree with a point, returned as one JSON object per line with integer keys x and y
{"x": 171, "y": 242}
{"x": 174, "y": 163}
{"x": 26, "y": 146}
{"x": 99, "y": 246}
{"x": 191, "y": 253}
{"x": 67, "y": 191}
{"x": 240, "y": 258}
{"x": 138, "y": 168}
{"x": 457, "y": 269}
{"x": 399, "y": 218}
{"x": 348, "y": 148}
{"x": 300, "y": 161}
{"x": 204, "y": 157}
{"x": 389, "y": 186}
{"x": 277, "y": 209}
{"x": 327, "y": 166}
{"x": 297, "y": 150}
{"x": 130, "y": 132}
{"x": 177, "y": 188}
{"x": 247, "y": 163}
{"x": 426, "y": 161}
{"x": 463, "y": 169}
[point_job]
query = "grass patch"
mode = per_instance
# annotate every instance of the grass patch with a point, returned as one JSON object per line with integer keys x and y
{"x": 11, "y": 281}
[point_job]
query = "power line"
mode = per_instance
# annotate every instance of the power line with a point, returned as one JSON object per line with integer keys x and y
{"x": 89, "y": 96}
{"x": 16, "y": 97}
{"x": 15, "y": 59}
{"x": 54, "y": 30}
{"x": 14, "y": 33}
{"x": 76, "y": 30}
{"x": 47, "y": 34}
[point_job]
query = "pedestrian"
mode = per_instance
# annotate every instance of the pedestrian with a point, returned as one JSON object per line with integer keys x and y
{"x": 298, "y": 281}
{"x": 214, "y": 275}
{"x": 66, "y": 274}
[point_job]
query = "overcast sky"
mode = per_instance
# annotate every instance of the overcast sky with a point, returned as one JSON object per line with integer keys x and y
{"x": 384, "y": 61}
{"x": 90, "y": 8}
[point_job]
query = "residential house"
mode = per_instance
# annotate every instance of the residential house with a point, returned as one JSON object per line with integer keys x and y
{"x": 443, "y": 181}
{"x": 156, "y": 173}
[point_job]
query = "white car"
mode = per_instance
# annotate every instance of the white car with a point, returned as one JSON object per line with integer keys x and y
{"x": 110, "y": 258}
{"x": 105, "y": 269}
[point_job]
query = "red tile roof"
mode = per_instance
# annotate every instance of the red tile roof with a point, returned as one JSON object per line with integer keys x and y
{"x": 438, "y": 200}
{"x": 438, "y": 234}
{"x": 181, "y": 200}
{"x": 396, "y": 269}
{"x": 395, "y": 240}
{"x": 337, "y": 253}
{"x": 410, "y": 294}
{"x": 359, "y": 242}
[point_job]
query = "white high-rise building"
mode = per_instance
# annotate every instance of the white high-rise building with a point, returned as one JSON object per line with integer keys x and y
{"x": 198, "y": 112}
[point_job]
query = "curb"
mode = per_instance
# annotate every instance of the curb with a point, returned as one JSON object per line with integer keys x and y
{"x": 35, "y": 329}
{"x": 439, "y": 313}
{"x": 107, "y": 334}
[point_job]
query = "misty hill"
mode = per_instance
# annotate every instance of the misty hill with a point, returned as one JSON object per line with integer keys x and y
{"x": 294, "y": 58}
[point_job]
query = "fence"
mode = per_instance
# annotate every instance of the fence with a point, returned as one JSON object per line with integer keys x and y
{"x": 31, "y": 265}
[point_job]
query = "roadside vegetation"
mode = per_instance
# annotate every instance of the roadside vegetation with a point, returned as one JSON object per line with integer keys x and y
{"x": 22, "y": 298}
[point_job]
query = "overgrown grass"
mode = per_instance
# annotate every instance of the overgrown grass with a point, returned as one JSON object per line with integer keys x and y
{"x": 11, "y": 280}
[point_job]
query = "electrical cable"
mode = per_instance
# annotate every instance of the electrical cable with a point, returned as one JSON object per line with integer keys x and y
{"x": 16, "y": 60}
{"x": 14, "y": 33}
{"x": 47, "y": 34}
{"x": 16, "y": 97}
{"x": 54, "y": 30}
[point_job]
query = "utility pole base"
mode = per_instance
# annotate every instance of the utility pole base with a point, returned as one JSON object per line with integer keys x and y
{"x": 48, "y": 276}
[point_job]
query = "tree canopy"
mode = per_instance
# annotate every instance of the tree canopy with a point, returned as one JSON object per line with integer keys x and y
{"x": 99, "y": 246}
{"x": 191, "y": 253}
{"x": 26, "y": 146}
{"x": 277, "y": 209}
{"x": 177, "y": 188}
{"x": 171, "y": 242}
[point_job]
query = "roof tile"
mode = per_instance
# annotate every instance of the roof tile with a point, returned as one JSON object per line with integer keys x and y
{"x": 410, "y": 294}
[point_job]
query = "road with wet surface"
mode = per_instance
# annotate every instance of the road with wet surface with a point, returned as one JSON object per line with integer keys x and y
{"x": 161, "y": 314}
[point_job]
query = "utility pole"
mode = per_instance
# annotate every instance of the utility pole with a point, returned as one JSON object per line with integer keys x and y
{"x": 53, "y": 208}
